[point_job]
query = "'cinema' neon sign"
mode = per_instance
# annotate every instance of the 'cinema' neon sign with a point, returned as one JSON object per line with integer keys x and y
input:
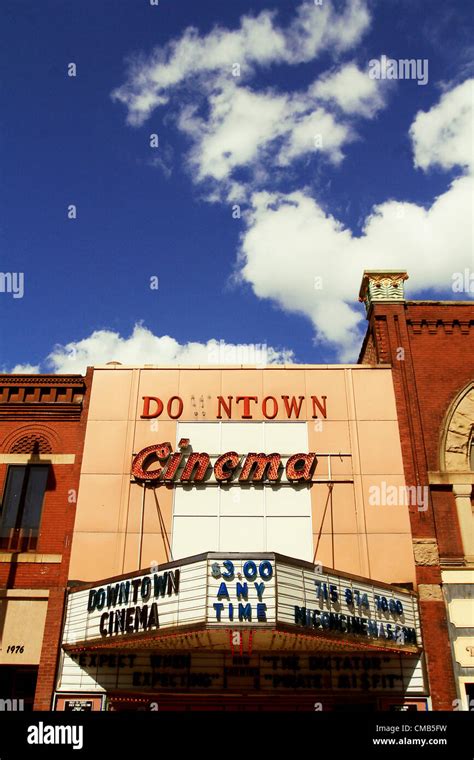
{"x": 196, "y": 467}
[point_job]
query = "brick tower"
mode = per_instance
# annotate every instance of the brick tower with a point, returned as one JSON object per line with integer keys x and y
{"x": 430, "y": 346}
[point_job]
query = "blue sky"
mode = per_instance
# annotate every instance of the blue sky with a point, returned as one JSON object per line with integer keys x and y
{"x": 269, "y": 191}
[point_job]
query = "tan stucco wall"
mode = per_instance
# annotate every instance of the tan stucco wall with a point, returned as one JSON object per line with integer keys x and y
{"x": 351, "y": 535}
{"x": 27, "y": 638}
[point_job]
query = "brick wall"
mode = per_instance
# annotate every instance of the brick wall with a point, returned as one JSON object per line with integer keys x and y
{"x": 55, "y": 409}
{"x": 430, "y": 346}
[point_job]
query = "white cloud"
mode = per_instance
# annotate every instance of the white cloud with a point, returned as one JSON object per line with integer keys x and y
{"x": 351, "y": 89}
{"x": 316, "y": 264}
{"x": 316, "y": 130}
{"x": 231, "y": 126}
{"x": 291, "y": 245}
{"x": 23, "y": 369}
{"x": 443, "y": 136}
{"x": 259, "y": 41}
{"x": 304, "y": 260}
{"x": 143, "y": 347}
{"x": 258, "y": 130}
{"x": 239, "y": 124}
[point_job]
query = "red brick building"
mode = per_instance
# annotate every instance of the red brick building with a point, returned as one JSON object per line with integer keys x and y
{"x": 430, "y": 345}
{"x": 42, "y": 426}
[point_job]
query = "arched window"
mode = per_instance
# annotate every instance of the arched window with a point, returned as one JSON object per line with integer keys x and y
{"x": 23, "y": 494}
{"x": 32, "y": 443}
{"x": 21, "y": 508}
{"x": 457, "y": 453}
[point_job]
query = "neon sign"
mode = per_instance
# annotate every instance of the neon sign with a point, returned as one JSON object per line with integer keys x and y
{"x": 231, "y": 466}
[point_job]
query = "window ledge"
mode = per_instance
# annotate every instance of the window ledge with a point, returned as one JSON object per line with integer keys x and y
{"x": 11, "y": 557}
{"x": 451, "y": 478}
{"x": 37, "y": 458}
{"x": 24, "y": 593}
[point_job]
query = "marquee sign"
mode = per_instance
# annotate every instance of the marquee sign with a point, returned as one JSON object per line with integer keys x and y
{"x": 208, "y": 671}
{"x": 306, "y": 627}
{"x": 335, "y": 605}
{"x": 132, "y": 605}
{"x": 196, "y": 467}
{"x": 261, "y": 593}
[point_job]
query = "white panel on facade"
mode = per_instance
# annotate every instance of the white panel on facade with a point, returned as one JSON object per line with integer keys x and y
{"x": 203, "y": 436}
{"x": 285, "y": 437}
{"x": 242, "y": 437}
{"x": 241, "y": 534}
{"x": 196, "y": 500}
{"x": 193, "y": 535}
{"x": 287, "y": 501}
{"x": 290, "y": 536}
{"x": 240, "y": 501}
{"x": 284, "y": 502}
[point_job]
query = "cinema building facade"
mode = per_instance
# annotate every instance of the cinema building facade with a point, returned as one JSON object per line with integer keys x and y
{"x": 243, "y": 541}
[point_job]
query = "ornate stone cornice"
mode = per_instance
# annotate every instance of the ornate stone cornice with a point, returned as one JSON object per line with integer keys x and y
{"x": 382, "y": 285}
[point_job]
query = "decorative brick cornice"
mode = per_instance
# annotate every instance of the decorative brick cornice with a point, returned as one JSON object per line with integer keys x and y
{"x": 41, "y": 397}
{"x": 433, "y": 326}
{"x": 41, "y": 380}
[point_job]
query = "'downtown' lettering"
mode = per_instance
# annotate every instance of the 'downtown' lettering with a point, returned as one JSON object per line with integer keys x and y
{"x": 134, "y": 618}
{"x": 241, "y": 407}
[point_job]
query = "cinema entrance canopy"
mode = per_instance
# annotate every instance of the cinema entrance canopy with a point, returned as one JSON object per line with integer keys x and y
{"x": 268, "y": 600}
{"x": 238, "y": 625}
